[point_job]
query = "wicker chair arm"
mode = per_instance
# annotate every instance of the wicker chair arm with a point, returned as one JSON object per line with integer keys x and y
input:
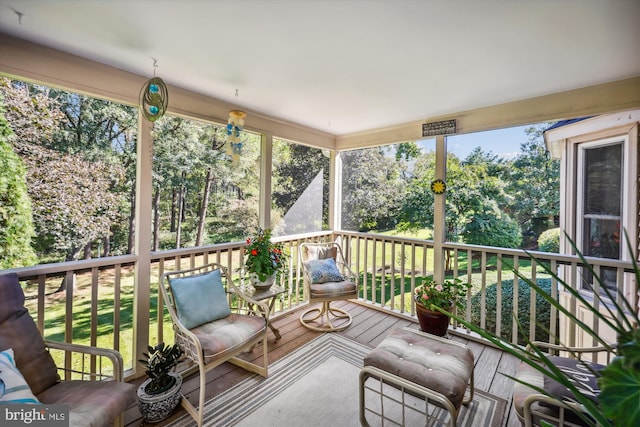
{"x": 577, "y": 352}
{"x": 114, "y": 356}
{"x": 559, "y": 408}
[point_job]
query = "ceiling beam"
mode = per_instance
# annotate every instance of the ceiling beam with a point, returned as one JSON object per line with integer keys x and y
{"x": 599, "y": 99}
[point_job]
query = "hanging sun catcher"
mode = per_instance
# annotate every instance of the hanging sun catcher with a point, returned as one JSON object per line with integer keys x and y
{"x": 154, "y": 97}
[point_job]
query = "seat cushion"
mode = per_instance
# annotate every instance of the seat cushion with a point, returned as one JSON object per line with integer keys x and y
{"x": 434, "y": 364}
{"x": 19, "y": 332}
{"x": 333, "y": 290}
{"x": 521, "y": 392}
{"x": 91, "y": 403}
{"x": 581, "y": 375}
{"x": 200, "y": 298}
{"x": 227, "y": 335}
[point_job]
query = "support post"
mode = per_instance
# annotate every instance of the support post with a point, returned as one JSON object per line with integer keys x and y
{"x": 439, "y": 224}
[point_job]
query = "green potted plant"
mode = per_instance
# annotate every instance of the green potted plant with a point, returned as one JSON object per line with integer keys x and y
{"x": 160, "y": 394}
{"x": 263, "y": 259}
{"x": 619, "y": 381}
{"x": 446, "y": 295}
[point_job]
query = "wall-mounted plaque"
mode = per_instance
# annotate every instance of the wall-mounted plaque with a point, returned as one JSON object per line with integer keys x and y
{"x": 445, "y": 127}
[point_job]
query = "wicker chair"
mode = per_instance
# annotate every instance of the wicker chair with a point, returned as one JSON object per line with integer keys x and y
{"x": 532, "y": 406}
{"x": 213, "y": 328}
{"x": 327, "y": 278}
{"x": 88, "y": 379}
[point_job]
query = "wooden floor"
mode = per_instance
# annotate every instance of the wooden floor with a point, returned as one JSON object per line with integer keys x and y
{"x": 369, "y": 327}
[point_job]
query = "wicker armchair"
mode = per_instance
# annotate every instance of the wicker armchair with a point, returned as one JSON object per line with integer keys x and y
{"x": 90, "y": 379}
{"x": 222, "y": 329}
{"x": 327, "y": 278}
{"x": 532, "y": 407}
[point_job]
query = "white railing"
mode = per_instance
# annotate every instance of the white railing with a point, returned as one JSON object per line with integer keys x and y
{"x": 95, "y": 305}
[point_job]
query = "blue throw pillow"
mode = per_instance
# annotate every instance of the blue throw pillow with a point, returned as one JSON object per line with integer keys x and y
{"x": 16, "y": 389}
{"x": 323, "y": 270}
{"x": 200, "y": 299}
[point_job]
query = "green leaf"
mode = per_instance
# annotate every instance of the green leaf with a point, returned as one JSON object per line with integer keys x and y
{"x": 620, "y": 395}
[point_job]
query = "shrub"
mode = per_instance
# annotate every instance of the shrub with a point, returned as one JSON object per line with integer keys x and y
{"x": 493, "y": 228}
{"x": 543, "y": 309}
{"x": 549, "y": 240}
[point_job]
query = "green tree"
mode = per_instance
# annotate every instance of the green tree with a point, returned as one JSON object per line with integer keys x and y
{"x": 64, "y": 139}
{"x": 75, "y": 203}
{"x": 372, "y": 190}
{"x": 16, "y": 226}
{"x": 490, "y": 226}
{"x": 533, "y": 181}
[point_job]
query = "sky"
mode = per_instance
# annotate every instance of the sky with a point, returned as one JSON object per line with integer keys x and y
{"x": 503, "y": 142}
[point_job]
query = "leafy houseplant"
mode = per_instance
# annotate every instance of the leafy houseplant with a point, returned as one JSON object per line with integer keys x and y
{"x": 619, "y": 382}
{"x": 160, "y": 360}
{"x": 160, "y": 394}
{"x": 431, "y": 295}
{"x": 263, "y": 258}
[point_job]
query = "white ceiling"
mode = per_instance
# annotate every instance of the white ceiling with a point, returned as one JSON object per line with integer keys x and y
{"x": 348, "y": 66}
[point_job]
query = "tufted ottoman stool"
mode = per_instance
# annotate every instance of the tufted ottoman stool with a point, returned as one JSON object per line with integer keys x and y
{"x": 412, "y": 363}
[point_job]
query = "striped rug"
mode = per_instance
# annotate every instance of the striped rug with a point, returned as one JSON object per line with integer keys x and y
{"x": 317, "y": 385}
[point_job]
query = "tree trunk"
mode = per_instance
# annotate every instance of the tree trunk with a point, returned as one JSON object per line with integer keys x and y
{"x": 204, "y": 203}
{"x": 174, "y": 208}
{"x": 181, "y": 197}
{"x": 106, "y": 242}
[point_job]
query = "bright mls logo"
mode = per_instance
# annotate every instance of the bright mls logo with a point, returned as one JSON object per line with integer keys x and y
{"x": 34, "y": 415}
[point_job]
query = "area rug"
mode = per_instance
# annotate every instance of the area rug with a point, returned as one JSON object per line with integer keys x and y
{"x": 317, "y": 385}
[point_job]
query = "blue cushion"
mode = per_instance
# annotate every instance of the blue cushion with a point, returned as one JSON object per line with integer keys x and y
{"x": 16, "y": 389}
{"x": 200, "y": 299}
{"x": 323, "y": 270}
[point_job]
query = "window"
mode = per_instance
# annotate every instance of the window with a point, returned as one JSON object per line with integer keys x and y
{"x": 600, "y": 201}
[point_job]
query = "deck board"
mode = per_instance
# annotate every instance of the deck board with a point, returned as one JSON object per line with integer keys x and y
{"x": 370, "y": 326}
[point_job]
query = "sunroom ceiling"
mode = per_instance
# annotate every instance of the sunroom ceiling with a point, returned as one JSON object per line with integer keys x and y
{"x": 347, "y": 66}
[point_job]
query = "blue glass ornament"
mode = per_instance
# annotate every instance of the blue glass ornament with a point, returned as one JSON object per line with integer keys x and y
{"x": 154, "y": 88}
{"x": 154, "y": 110}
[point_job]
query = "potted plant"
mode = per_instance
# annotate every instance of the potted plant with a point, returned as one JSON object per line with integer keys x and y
{"x": 160, "y": 394}
{"x": 430, "y": 295}
{"x": 263, "y": 259}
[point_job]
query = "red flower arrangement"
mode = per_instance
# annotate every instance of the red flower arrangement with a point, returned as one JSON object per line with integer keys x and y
{"x": 263, "y": 257}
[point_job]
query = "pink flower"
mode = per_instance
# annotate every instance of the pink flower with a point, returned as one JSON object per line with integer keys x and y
{"x": 439, "y": 288}
{"x": 425, "y": 296}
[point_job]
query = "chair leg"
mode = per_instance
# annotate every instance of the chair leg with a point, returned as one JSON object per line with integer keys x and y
{"x": 323, "y": 317}
{"x": 197, "y": 414}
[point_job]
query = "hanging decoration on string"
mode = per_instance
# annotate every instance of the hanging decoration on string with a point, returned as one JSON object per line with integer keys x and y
{"x": 235, "y": 124}
{"x": 154, "y": 97}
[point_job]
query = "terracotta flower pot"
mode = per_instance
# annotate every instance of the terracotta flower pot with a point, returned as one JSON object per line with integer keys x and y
{"x": 432, "y": 322}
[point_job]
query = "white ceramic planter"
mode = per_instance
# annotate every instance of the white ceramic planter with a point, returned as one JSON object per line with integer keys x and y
{"x": 258, "y": 284}
{"x": 157, "y": 407}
